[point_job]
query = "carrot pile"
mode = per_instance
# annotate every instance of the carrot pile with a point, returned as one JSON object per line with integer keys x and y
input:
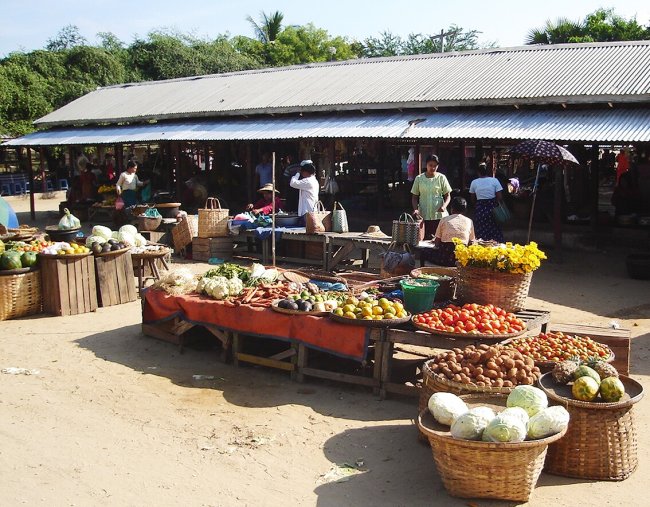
{"x": 261, "y": 296}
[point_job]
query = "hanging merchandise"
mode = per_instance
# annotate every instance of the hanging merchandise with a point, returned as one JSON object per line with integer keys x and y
{"x": 410, "y": 165}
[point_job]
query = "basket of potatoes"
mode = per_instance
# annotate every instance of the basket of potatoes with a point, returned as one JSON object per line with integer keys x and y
{"x": 476, "y": 369}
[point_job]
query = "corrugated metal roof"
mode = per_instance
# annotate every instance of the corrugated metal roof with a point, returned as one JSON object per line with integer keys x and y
{"x": 601, "y": 125}
{"x": 572, "y": 73}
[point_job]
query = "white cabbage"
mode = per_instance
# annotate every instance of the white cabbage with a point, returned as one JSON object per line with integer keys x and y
{"x": 129, "y": 229}
{"x": 531, "y": 399}
{"x": 469, "y": 426}
{"x": 505, "y": 427}
{"x": 518, "y": 412}
{"x": 140, "y": 240}
{"x": 103, "y": 231}
{"x": 548, "y": 422}
{"x": 485, "y": 412}
{"x": 445, "y": 407}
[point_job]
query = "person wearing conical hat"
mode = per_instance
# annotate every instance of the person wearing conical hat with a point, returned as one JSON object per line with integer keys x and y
{"x": 264, "y": 206}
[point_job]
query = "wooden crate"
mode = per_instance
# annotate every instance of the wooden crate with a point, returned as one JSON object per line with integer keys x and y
{"x": 69, "y": 286}
{"x": 206, "y": 248}
{"x": 619, "y": 340}
{"x": 115, "y": 281}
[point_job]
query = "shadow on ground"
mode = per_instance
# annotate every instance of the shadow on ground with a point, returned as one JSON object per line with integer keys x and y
{"x": 244, "y": 386}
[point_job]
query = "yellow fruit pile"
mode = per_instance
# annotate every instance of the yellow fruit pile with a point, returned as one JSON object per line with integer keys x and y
{"x": 74, "y": 249}
{"x": 371, "y": 309}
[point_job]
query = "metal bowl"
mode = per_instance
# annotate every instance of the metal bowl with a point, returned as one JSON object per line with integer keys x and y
{"x": 66, "y": 235}
{"x": 288, "y": 220}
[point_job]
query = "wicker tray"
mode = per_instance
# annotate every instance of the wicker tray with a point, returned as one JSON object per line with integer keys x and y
{"x": 369, "y": 323}
{"x": 472, "y": 469}
{"x": 276, "y": 308}
{"x": 476, "y": 336}
{"x": 113, "y": 252}
{"x": 549, "y": 365}
{"x": 19, "y": 271}
{"x": 601, "y": 441}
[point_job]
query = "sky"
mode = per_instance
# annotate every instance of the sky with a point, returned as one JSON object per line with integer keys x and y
{"x": 27, "y": 24}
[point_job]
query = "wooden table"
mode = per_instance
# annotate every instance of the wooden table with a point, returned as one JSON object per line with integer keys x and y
{"x": 341, "y": 246}
{"x": 250, "y": 237}
{"x": 408, "y": 335}
{"x": 140, "y": 261}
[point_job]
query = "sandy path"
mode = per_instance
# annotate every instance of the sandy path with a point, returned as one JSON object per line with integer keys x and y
{"x": 115, "y": 418}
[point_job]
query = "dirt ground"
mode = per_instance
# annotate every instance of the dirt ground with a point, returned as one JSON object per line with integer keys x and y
{"x": 115, "y": 418}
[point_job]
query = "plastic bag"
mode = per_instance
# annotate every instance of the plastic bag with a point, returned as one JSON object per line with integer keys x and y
{"x": 69, "y": 221}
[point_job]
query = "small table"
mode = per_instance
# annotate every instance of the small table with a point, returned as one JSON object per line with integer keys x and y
{"x": 148, "y": 259}
{"x": 340, "y": 246}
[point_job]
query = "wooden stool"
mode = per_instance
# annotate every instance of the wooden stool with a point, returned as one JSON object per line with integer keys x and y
{"x": 148, "y": 259}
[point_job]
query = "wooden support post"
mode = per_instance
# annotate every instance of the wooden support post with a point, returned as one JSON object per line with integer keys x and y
{"x": 236, "y": 348}
{"x": 176, "y": 151}
{"x": 248, "y": 167}
{"x": 593, "y": 185}
{"x": 463, "y": 163}
{"x": 557, "y": 212}
{"x": 41, "y": 164}
{"x": 30, "y": 175}
{"x": 301, "y": 363}
{"x": 418, "y": 159}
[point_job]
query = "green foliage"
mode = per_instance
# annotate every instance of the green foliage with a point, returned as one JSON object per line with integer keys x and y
{"x": 602, "y": 25}
{"x": 269, "y": 26}
{"x": 389, "y": 44}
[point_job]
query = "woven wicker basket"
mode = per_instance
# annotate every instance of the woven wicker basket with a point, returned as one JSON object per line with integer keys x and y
{"x": 434, "y": 383}
{"x": 213, "y": 220}
{"x": 471, "y": 469}
{"x": 601, "y": 441}
{"x": 484, "y": 286}
{"x": 447, "y": 289}
{"x": 183, "y": 233}
{"x": 20, "y": 295}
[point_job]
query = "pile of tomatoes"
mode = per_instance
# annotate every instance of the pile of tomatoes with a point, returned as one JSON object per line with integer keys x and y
{"x": 557, "y": 346}
{"x": 36, "y": 245}
{"x": 471, "y": 319}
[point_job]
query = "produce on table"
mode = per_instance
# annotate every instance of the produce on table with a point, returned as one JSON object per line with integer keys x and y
{"x": 585, "y": 371}
{"x": 470, "y": 425}
{"x": 220, "y": 287}
{"x": 557, "y": 346}
{"x": 511, "y": 425}
{"x": 531, "y": 399}
{"x": 490, "y": 366}
{"x": 371, "y": 309}
{"x": 63, "y": 248}
{"x": 36, "y": 245}
{"x": 28, "y": 259}
{"x": 176, "y": 281}
{"x": 471, "y": 319}
{"x": 585, "y": 388}
{"x": 445, "y": 407}
{"x": 229, "y": 270}
{"x": 548, "y": 422}
{"x": 612, "y": 389}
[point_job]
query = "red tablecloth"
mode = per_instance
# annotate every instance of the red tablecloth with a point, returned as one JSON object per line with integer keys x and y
{"x": 316, "y": 332}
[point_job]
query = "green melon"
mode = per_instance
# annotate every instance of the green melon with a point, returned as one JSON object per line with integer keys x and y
{"x": 10, "y": 260}
{"x": 28, "y": 259}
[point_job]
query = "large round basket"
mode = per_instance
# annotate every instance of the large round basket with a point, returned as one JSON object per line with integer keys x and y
{"x": 436, "y": 383}
{"x": 601, "y": 441}
{"x": 447, "y": 289}
{"x": 484, "y": 286}
{"x": 20, "y": 295}
{"x": 471, "y": 469}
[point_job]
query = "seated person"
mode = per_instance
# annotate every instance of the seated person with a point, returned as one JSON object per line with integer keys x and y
{"x": 264, "y": 206}
{"x": 455, "y": 225}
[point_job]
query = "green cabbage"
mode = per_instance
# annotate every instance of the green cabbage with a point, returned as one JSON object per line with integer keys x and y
{"x": 469, "y": 426}
{"x": 517, "y": 412}
{"x": 548, "y": 422}
{"x": 530, "y": 398}
{"x": 445, "y": 407}
{"x": 505, "y": 427}
{"x": 104, "y": 232}
{"x": 129, "y": 229}
{"x": 95, "y": 239}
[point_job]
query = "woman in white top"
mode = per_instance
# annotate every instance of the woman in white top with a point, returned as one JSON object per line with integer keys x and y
{"x": 307, "y": 184}
{"x": 486, "y": 192}
{"x": 128, "y": 183}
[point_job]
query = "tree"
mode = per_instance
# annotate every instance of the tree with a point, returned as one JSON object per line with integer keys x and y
{"x": 602, "y": 25}
{"x": 68, "y": 37}
{"x": 269, "y": 26}
{"x": 389, "y": 44}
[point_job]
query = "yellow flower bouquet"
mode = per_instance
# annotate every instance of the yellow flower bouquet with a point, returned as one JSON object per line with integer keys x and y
{"x": 505, "y": 258}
